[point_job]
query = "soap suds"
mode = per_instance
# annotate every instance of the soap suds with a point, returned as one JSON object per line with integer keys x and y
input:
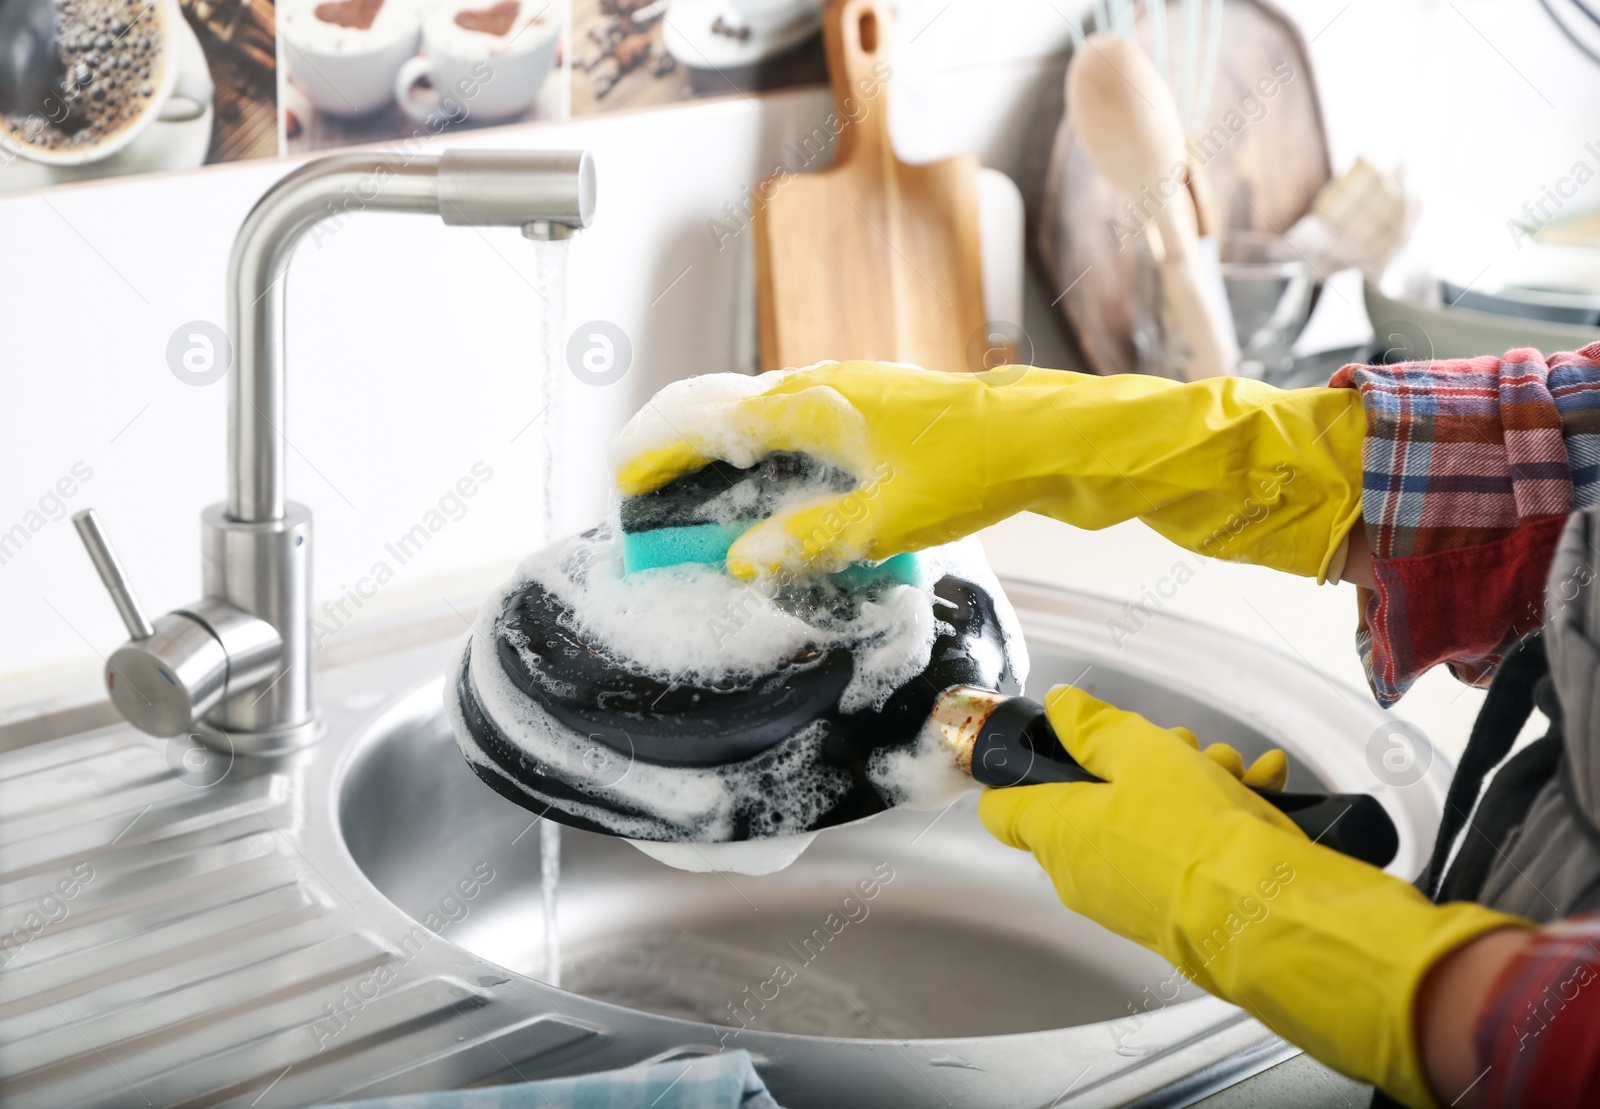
{"x": 922, "y": 774}
{"x": 919, "y": 775}
{"x": 695, "y": 624}
{"x": 750, "y": 856}
{"x": 776, "y": 795}
{"x": 707, "y": 413}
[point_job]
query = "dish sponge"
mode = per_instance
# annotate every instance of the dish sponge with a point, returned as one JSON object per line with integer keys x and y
{"x": 697, "y": 518}
{"x": 708, "y": 545}
{"x": 674, "y": 546}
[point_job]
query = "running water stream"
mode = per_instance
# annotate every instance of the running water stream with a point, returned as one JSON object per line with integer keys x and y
{"x": 550, "y": 283}
{"x": 549, "y": 885}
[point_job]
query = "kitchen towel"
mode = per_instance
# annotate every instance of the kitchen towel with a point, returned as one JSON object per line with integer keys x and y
{"x": 726, "y": 1080}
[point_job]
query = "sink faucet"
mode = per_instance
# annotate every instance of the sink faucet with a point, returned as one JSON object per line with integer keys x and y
{"x": 234, "y": 668}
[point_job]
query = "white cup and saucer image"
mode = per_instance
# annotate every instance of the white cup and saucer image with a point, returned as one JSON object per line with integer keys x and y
{"x": 144, "y": 103}
{"x": 488, "y": 59}
{"x": 345, "y": 53}
{"x": 767, "y": 19}
{"x": 722, "y": 41}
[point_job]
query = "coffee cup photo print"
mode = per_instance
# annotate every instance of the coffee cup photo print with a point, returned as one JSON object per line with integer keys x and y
{"x": 103, "y": 88}
{"x": 360, "y": 71}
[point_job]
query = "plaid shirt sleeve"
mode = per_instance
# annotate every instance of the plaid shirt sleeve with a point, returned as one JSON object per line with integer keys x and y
{"x": 1537, "y": 1041}
{"x": 1471, "y": 467}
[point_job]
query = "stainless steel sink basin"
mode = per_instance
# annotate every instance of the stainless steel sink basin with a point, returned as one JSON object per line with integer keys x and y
{"x": 362, "y": 917}
{"x": 961, "y": 936}
{"x": 962, "y": 940}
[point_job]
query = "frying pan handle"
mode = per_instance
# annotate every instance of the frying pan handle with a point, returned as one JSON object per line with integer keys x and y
{"x": 1018, "y": 747}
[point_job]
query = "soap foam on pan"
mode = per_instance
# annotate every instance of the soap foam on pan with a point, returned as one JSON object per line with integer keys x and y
{"x": 785, "y": 784}
{"x": 922, "y": 774}
{"x": 662, "y": 621}
{"x": 665, "y": 618}
{"x": 749, "y": 856}
{"x": 695, "y": 623}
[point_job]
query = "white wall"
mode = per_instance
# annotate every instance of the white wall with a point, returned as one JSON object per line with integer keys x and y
{"x": 413, "y": 354}
{"x": 413, "y": 347}
{"x": 1483, "y": 101}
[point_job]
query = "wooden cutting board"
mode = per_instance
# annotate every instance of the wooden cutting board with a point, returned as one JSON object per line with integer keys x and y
{"x": 872, "y": 257}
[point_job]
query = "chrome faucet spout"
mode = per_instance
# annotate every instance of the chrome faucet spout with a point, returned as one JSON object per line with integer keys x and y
{"x": 539, "y": 191}
{"x": 240, "y": 657}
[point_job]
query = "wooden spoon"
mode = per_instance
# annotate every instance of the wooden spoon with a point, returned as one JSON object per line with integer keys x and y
{"x": 1130, "y": 129}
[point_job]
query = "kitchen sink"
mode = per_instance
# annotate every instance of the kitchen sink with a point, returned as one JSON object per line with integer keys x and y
{"x": 961, "y": 936}
{"x": 363, "y": 917}
{"x": 962, "y": 940}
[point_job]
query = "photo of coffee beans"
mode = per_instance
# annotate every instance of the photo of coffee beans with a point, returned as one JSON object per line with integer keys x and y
{"x": 112, "y": 54}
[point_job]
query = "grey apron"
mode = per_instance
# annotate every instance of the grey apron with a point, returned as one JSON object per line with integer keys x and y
{"x": 1531, "y": 844}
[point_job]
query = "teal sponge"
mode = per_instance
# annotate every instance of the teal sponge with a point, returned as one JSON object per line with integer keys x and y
{"x": 703, "y": 543}
{"x": 708, "y": 545}
{"x": 901, "y": 569}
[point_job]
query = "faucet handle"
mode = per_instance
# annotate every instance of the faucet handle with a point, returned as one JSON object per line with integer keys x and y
{"x": 109, "y": 567}
{"x": 175, "y": 670}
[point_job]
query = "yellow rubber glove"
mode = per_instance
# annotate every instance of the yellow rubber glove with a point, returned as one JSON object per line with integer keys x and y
{"x": 1173, "y": 853}
{"x": 1269, "y": 771}
{"x": 1227, "y": 467}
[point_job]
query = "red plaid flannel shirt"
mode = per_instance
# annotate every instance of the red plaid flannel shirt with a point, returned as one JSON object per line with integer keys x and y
{"x": 1471, "y": 468}
{"x": 1538, "y": 1040}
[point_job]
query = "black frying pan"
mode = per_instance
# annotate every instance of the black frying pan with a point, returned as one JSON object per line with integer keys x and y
{"x": 1001, "y": 740}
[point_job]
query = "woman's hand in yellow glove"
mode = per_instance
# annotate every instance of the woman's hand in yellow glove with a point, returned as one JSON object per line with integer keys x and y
{"x": 1229, "y": 468}
{"x": 1173, "y": 852}
{"x": 1269, "y": 771}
